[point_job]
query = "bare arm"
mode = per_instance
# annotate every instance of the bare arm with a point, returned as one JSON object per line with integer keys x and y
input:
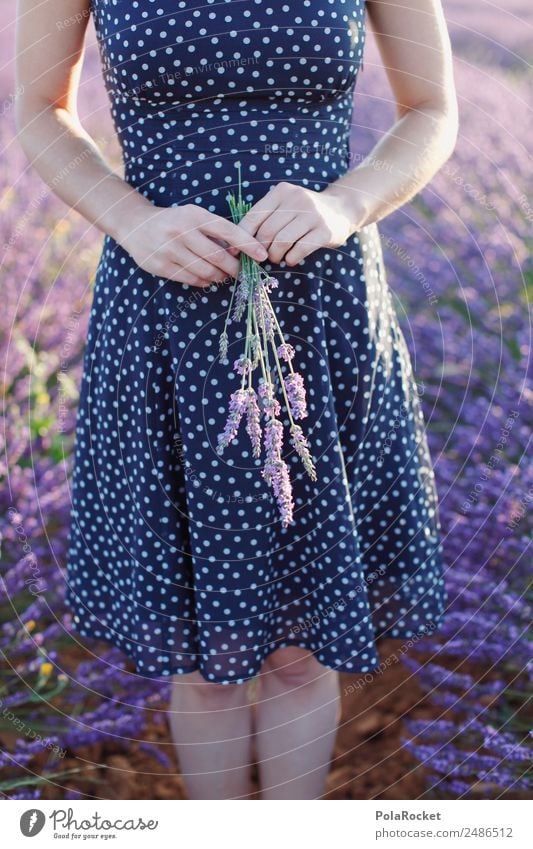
{"x": 49, "y": 59}
{"x": 184, "y": 243}
{"x": 292, "y": 221}
{"x": 414, "y": 46}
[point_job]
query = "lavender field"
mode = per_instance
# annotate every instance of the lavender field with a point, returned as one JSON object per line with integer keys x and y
{"x": 460, "y": 267}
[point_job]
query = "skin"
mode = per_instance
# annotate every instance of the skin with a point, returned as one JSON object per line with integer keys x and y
{"x": 186, "y": 244}
{"x": 296, "y": 716}
{"x": 292, "y": 221}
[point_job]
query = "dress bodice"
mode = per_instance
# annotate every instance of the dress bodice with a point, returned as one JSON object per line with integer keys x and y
{"x": 162, "y": 52}
{"x": 272, "y": 79}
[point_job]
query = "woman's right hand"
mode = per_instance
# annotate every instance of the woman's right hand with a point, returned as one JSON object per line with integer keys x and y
{"x": 187, "y": 243}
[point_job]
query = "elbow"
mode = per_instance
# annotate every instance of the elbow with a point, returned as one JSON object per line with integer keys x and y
{"x": 449, "y": 116}
{"x": 450, "y": 129}
{"x": 449, "y": 121}
{"x": 444, "y": 116}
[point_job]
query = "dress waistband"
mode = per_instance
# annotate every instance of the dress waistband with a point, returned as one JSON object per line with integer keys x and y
{"x": 276, "y": 132}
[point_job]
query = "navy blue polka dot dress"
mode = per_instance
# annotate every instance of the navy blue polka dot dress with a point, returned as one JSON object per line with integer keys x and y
{"x": 178, "y": 555}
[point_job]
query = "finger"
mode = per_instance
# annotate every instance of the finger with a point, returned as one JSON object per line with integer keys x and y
{"x": 235, "y": 235}
{"x": 260, "y": 211}
{"x": 215, "y": 254}
{"x": 286, "y": 238}
{"x": 271, "y": 228}
{"x": 199, "y": 267}
{"x": 229, "y": 248}
{"x": 311, "y": 241}
{"x": 176, "y": 273}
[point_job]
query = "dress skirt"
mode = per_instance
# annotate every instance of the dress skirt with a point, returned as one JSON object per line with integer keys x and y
{"x": 177, "y": 555}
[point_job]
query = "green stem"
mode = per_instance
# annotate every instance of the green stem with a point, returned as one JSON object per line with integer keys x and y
{"x": 278, "y": 328}
{"x": 238, "y": 209}
{"x": 13, "y": 783}
{"x": 238, "y": 164}
{"x": 261, "y": 359}
{"x": 248, "y": 342}
{"x": 266, "y": 375}
{"x": 230, "y": 304}
{"x": 278, "y": 365}
{"x": 280, "y": 373}
{"x": 265, "y": 340}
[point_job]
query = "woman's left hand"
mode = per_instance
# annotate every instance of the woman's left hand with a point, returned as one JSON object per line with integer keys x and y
{"x": 292, "y": 221}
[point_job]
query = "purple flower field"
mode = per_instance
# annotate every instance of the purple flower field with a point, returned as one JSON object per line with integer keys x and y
{"x": 460, "y": 268}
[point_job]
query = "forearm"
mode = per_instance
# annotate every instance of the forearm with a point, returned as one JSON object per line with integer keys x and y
{"x": 69, "y": 161}
{"x": 398, "y": 167}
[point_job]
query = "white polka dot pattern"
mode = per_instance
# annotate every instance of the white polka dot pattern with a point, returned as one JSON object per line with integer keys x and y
{"x": 177, "y": 555}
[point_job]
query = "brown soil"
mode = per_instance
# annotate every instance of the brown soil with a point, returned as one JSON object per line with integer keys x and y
{"x": 369, "y": 761}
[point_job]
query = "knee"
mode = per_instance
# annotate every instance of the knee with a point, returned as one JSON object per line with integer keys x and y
{"x": 292, "y": 666}
{"x": 209, "y": 695}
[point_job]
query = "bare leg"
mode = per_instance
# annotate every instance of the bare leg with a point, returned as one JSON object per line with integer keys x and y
{"x": 211, "y": 726}
{"x": 298, "y": 711}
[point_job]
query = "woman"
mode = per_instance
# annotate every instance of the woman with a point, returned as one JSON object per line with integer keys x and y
{"x": 177, "y": 554}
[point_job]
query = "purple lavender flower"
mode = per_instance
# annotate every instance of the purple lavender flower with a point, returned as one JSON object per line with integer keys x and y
{"x": 283, "y": 493}
{"x": 243, "y": 364}
{"x": 241, "y": 297}
{"x": 269, "y": 403}
{"x": 276, "y": 471}
{"x": 157, "y": 751}
{"x": 294, "y": 385}
{"x": 269, "y": 283}
{"x": 237, "y": 408}
{"x": 255, "y": 342}
{"x": 301, "y": 447}
{"x": 273, "y": 439}
{"x": 223, "y": 346}
{"x": 277, "y": 475}
{"x": 489, "y": 614}
{"x": 265, "y": 314}
{"x": 253, "y": 421}
{"x": 286, "y": 352}
{"x": 27, "y": 794}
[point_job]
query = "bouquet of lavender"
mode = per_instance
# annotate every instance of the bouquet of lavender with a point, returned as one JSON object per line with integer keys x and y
{"x": 250, "y": 299}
